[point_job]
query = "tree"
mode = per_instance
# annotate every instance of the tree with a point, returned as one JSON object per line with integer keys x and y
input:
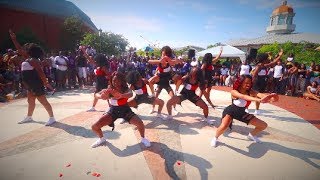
{"x": 108, "y": 42}
{"x": 304, "y": 52}
{"x": 25, "y": 35}
{"x": 72, "y": 32}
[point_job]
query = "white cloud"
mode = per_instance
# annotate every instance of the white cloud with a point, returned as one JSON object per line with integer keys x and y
{"x": 129, "y": 22}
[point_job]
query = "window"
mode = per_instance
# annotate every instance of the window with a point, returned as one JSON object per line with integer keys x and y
{"x": 289, "y": 20}
{"x": 281, "y": 20}
{"x": 272, "y": 21}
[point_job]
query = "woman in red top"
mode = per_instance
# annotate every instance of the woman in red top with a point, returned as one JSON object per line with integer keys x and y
{"x": 242, "y": 95}
{"x": 101, "y": 73}
{"x": 117, "y": 94}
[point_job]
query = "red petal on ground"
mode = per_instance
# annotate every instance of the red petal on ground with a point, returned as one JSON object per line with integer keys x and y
{"x": 94, "y": 174}
{"x": 98, "y": 175}
{"x": 68, "y": 165}
{"x": 60, "y": 175}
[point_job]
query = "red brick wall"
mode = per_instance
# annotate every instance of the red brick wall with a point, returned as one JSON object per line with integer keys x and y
{"x": 46, "y": 28}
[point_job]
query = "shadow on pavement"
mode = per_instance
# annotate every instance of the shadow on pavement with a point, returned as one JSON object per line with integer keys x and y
{"x": 170, "y": 156}
{"x": 258, "y": 150}
{"x": 84, "y": 132}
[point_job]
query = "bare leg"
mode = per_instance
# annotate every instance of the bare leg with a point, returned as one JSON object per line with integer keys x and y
{"x": 171, "y": 102}
{"x": 259, "y": 126}
{"x": 43, "y": 100}
{"x": 225, "y": 122}
{"x": 206, "y": 94}
{"x": 135, "y": 120}
{"x": 95, "y": 100}
{"x": 160, "y": 103}
{"x": 31, "y": 103}
{"x": 203, "y": 106}
{"x": 103, "y": 121}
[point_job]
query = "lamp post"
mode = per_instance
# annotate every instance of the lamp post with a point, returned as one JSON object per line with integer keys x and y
{"x": 100, "y": 33}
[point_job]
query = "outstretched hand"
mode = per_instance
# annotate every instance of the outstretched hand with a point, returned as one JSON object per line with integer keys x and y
{"x": 281, "y": 52}
{"x": 270, "y": 98}
{"x": 12, "y": 34}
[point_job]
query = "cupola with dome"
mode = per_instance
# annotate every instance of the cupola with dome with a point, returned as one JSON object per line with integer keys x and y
{"x": 281, "y": 20}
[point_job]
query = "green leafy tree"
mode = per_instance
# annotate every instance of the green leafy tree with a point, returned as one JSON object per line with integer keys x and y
{"x": 304, "y": 52}
{"x": 72, "y": 32}
{"x": 107, "y": 43}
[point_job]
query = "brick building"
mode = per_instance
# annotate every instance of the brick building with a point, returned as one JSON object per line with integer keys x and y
{"x": 44, "y": 18}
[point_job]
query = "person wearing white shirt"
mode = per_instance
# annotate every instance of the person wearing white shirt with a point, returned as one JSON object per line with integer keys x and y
{"x": 61, "y": 66}
{"x": 245, "y": 68}
{"x": 223, "y": 75}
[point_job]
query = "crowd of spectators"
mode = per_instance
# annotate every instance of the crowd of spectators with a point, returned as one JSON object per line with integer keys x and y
{"x": 67, "y": 70}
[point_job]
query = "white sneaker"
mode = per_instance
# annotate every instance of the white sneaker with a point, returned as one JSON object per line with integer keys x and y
{"x": 210, "y": 122}
{"x": 26, "y": 119}
{"x": 174, "y": 111}
{"x": 99, "y": 142}
{"x": 92, "y": 109}
{"x": 254, "y": 138}
{"x": 145, "y": 142}
{"x": 257, "y": 112}
{"x": 214, "y": 142}
{"x": 169, "y": 117}
{"x": 247, "y": 110}
{"x": 159, "y": 115}
{"x": 152, "y": 111}
{"x": 50, "y": 121}
{"x": 123, "y": 121}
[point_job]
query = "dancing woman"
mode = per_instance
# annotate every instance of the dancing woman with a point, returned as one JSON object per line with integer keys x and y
{"x": 34, "y": 79}
{"x": 192, "y": 82}
{"x": 207, "y": 71}
{"x": 117, "y": 94}
{"x": 242, "y": 95}
{"x": 139, "y": 86}
{"x": 101, "y": 73}
{"x": 163, "y": 73}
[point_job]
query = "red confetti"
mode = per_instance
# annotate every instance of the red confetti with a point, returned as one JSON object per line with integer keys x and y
{"x": 94, "y": 174}
{"x": 68, "y": 165}
{"x": 98, "y": 175}
{"x": 60, "y": 175}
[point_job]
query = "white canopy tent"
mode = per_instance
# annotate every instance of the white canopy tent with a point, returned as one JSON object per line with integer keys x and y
{"x": 228, "y": 51}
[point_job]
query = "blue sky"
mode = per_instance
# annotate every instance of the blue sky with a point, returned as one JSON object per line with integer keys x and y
{"x": 190, "y": 22}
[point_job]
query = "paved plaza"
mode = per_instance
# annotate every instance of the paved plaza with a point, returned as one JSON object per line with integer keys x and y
{"x": 180, "y": 147}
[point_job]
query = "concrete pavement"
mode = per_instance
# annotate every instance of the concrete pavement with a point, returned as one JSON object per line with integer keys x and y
{"x": 180, "y": 148}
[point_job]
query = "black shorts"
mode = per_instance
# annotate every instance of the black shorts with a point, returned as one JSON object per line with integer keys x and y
{"x": 124, "y": 112}
{"x": 144, "y": 98}
{"x": 166, "y": 87}
{"x": 37, "y": 91}
{"x": 189, "y": 95}
{"x": 238, "y": 113}
{"x": 261, "y": 84}
{"x": 101, "y": 83}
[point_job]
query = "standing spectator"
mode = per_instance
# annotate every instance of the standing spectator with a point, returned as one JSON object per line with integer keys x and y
{"x": 62, "y": 66}
{"x": 72, "y": 70}
{"x": 81, "y": 62}
{"x": 292, "y": 72}
{"x": 301, "y": 79}
{"x": 232, "y": 76}
{"x": 224, "y": 73}
{"x": 278, "y": 77}
{"x": 315, "y": 74}
{"x": 245, "y": 68}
